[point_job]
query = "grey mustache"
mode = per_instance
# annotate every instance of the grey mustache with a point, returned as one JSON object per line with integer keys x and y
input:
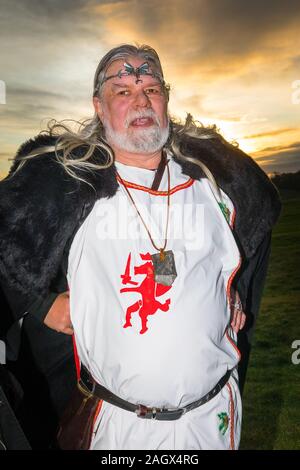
{"x": 141, "y": 115}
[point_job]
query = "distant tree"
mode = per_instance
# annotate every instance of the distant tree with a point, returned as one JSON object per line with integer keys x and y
{"x": 286, "y": 180}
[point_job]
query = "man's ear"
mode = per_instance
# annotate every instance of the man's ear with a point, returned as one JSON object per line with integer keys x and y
{"x": 98, "y": 107}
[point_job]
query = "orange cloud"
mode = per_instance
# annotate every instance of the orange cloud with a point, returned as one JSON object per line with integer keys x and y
{"x": 270, "y": 133}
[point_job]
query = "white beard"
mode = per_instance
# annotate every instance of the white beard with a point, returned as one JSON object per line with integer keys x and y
{"x": 148, "y": 140}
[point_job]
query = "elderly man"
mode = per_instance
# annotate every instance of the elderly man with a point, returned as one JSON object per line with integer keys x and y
{"x": 144, "y": 239}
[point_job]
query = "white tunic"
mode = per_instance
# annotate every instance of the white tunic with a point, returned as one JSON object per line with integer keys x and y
{"x": 147, "y": 343}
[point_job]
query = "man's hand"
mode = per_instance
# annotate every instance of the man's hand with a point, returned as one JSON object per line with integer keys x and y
{"x": 238, "y": 317}
{"x": 58, "y": 317}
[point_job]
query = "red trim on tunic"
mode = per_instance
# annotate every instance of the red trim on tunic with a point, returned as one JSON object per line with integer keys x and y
{"x": 228, "y": 300}
{"x": 233, "y": 218}
{"x": 231, "y": 418}
{"x": 185, "y": 185}
{"x": 76, "y": 358}
{"x": 231, "y": 279}
{"x": 234, "y": 345}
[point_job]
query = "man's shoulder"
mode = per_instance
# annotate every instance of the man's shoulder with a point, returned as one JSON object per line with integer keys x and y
{"x": 42, "y": 144}
{"x": 32, "y": 144}
{"x": 40, "y": 178}
{"x": 253, "y": 194}
{"x": 227, "y": 162}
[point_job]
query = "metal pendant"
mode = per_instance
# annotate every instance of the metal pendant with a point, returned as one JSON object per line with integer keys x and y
{"x": 164, "y": 267}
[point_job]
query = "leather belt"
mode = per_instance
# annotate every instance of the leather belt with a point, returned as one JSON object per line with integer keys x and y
{"x": 88, "y": 385}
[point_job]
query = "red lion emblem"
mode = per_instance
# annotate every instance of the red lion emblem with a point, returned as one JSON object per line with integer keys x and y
{"x": 149, "y": 290}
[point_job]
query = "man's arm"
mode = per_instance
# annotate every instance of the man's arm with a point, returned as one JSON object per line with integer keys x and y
{"x": 40, "y": 207}
{"x": 51, "y": 310}
{"x": 54, "y": 309}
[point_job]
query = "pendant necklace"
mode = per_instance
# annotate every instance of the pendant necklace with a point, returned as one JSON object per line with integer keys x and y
{"x": 163, "y": 261}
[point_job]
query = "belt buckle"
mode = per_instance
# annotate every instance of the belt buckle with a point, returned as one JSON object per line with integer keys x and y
{"x": 142, "y": 411}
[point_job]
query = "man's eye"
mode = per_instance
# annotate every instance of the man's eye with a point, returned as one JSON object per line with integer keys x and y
{"x": 152, "y": 91}
{"x": 123, "y": 92}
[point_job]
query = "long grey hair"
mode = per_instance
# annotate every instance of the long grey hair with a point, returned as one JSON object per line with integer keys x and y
{"x": 90, "y": 133}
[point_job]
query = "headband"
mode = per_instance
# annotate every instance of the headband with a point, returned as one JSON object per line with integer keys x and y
{"x": 143, "y": 69}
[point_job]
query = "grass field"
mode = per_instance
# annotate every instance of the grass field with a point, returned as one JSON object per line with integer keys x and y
{"x": 271, "y": 399}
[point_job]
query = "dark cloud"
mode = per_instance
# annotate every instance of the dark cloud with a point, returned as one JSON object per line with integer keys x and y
{"x": 215, "y": 31}
{"x": 29, "y": 112}
{"x": 63, "y": 5}
{"x": 280, "y": 158}
{"x": 40, "y": 21}
{"x": 28, "y": 94}
{"x": 49, "y": 8}
{"x": 199, "y": 42}
{"x": 26, "y": 108}
{"x": 294, "y": 145}
{"x": 282, "y": 162}
{"x": 30, "y": 104}
{"x": 237, "y": 26}
{"x": 55, "y": 8}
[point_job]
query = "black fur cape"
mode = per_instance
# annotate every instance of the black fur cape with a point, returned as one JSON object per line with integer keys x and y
{"x": 42, "y": 207}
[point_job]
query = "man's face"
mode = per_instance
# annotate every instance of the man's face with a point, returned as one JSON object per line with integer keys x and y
{"x": 134, "y": 115}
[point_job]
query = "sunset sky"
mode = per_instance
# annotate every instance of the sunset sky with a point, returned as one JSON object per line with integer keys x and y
{"x": 234, "y": 63}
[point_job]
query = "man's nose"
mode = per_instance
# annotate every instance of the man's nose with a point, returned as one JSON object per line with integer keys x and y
{"x": 141, "y": 99}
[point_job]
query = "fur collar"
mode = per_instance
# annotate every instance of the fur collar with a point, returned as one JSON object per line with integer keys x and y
{"x": 41, "y": 206}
